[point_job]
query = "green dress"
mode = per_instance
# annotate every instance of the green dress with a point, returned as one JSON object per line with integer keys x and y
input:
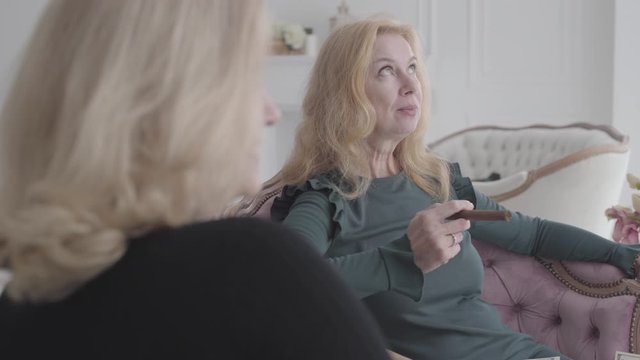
{"x": 438, "y": 315}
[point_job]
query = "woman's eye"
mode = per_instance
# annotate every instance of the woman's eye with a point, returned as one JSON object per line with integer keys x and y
{"x": 412, "y": 69}
{"x": 387, "y": 70}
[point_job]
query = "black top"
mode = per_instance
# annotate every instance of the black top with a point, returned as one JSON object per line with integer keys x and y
{"x": 228, "y": 289}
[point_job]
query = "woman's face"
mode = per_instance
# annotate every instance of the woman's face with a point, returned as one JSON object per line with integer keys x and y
{"x": 393, "y": 89}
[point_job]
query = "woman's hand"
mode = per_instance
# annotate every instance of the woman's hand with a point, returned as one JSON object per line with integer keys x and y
{"x": 434, "y": 241}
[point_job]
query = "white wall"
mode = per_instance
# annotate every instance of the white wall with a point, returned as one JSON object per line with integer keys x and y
{"x": 508, "y": 62}
{"x": 17, "y": 19}
{"x": 626, "y": 81}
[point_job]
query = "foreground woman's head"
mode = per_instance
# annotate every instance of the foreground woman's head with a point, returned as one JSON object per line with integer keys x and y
{"x": 125, "y": 115}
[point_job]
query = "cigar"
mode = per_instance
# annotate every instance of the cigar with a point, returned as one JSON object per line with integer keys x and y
{"x": 482, "y": 215}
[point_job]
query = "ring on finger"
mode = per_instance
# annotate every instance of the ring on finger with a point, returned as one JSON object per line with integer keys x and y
{"x": 453, "y": 240}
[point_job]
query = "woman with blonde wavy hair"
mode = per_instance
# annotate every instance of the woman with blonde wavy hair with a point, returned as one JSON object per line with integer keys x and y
{"x": 368, "y": 195}
{"x": 130, "y": 126}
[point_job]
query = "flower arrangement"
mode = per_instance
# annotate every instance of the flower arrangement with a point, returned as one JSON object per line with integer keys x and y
{"x": 288, "y": 38}
{"x": 627, "y": 224}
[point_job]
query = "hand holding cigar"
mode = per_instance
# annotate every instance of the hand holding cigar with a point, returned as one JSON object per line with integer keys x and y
{"x": 482, "y": 215}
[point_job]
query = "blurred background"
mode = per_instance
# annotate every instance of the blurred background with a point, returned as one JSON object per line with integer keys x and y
{"x": 491, "y": 62}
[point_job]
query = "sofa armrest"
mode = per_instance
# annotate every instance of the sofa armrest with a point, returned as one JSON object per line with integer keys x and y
{"x": 502, "y": 188}
{"x": 584, "y": 310}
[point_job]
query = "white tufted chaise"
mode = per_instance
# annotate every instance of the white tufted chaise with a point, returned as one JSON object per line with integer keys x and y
{"x": 569, "y": 173}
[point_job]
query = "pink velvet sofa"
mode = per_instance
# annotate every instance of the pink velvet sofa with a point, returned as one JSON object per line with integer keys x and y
{"x": 584, "y": 310}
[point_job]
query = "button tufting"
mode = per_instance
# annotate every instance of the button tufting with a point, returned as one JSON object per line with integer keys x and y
{"x": 558, "y": 320}
{"x": 595, "y": 332}
{"x": 517, "y": 307}
{"x": 488, "y": 263}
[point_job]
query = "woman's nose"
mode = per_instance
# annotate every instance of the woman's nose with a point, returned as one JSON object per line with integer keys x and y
{"x": 271, "y": 111}
{"x": 407, "y": 90}
{"x": 409, "y": 84}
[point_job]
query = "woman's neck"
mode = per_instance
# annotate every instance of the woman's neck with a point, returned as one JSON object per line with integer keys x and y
{"x": 383, "y": 164}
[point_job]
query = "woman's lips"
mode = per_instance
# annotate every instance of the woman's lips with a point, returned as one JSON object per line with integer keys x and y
{"x": 410, "y": 110}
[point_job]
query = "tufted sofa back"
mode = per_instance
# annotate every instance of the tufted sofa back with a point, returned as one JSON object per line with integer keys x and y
{"x": 584, "y": 310}
{"x": 507, "y": 151}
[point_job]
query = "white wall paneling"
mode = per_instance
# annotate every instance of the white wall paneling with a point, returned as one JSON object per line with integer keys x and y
{"x": 514, "y": 50}
{"x": 521, "y": 62}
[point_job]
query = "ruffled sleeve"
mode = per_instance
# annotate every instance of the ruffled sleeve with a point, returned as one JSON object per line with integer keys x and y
{"x": 322, "y": 184}
{"x": 461, "y": 185}
{"x": 316, "y": 210}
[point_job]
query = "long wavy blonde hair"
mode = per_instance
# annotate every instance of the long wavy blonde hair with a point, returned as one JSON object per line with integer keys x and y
{"x": 338, "y": 116}
{"x": 125, "y": 116}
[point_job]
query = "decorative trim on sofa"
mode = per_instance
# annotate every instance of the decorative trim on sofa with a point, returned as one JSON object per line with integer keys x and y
{"x": 250, "y": 205}
{"x": 634, "y": 336}
{"x": 601, "y": 290}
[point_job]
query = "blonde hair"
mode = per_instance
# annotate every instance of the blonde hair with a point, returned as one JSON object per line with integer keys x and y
{"x": 126, "y": 115}
{"x": 338, "y": 116}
